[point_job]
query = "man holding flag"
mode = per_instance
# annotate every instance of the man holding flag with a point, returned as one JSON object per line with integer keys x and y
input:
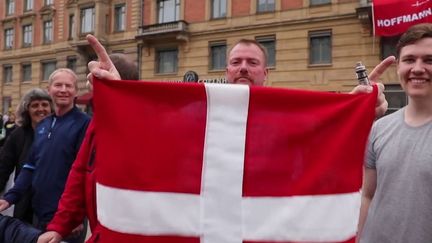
{"x": 246, "y": 64}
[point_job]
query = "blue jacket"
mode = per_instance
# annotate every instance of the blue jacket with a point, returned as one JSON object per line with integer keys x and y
{"x": 14, "y": 231}
{"x": 55, "y": 146}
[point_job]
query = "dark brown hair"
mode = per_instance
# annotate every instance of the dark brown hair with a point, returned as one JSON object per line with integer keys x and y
{"x": 127, "y": 68}
{"x": 412, "y": 35}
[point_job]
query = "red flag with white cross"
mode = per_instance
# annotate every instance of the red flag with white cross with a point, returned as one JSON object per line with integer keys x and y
{"x": 223, "y": 163}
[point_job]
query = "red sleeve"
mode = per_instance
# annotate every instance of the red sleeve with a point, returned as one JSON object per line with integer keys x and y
{"x": 71, "y": 209}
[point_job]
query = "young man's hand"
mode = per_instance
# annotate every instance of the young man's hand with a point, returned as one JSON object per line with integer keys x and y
{"x": 382, "y": 104}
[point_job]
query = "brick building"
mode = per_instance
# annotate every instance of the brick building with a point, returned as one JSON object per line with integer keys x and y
{"x": 39, "y": 36}
{"x": 312, "y": 44}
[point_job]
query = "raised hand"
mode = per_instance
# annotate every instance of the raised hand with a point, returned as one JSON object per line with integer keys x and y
{"x": 103, "y": 68}
{"x": 382, "y": 104}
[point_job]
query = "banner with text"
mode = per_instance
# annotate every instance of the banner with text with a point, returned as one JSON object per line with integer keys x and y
{"x": 394, "y": 17}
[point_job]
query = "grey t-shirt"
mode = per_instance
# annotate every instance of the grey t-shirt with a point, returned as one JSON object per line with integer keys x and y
{"x": 401, "y": 209}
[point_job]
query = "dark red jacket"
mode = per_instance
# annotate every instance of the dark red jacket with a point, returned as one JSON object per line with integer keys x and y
{"x": 79, "y": 197}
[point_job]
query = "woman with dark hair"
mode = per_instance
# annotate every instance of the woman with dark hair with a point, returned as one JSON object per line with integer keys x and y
{"x": 33, "y": 108}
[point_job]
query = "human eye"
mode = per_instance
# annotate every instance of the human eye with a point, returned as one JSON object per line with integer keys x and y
{"x": 234, "y": 62}
{"x": 254, "y": 62}
{"x": 408, "y": 59}
{"x": 428, "y": 60}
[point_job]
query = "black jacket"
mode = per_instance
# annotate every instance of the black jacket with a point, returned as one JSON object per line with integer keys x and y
{"x": 13, "y": 155}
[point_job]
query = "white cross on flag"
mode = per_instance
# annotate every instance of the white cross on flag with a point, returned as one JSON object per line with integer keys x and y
{"x": 195, "y": 163}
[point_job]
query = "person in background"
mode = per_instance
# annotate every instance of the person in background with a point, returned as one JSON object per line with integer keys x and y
{"x": 35, "y": 105}
{"x": 13, "y": 230}
{"x": 397, "y": 193}
{"x": 2, "y": 133}
{"x": 10, "y": 124}
{"x": 8, "y": 127}
{"x": 56, "y": 143}
{"x": 79, "y": 197}
{"x": 5, "y": 117}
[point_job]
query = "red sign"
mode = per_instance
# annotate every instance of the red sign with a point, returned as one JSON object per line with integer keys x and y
{"x": 224, "y": 163}
{"x": 394, "y": 17}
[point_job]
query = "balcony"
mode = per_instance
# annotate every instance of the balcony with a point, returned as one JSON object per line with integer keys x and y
{"x": 177, "y": 30}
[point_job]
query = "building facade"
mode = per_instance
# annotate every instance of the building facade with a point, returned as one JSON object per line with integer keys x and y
{"x": 312, "y": 44}
{"x": 39, "y": 36}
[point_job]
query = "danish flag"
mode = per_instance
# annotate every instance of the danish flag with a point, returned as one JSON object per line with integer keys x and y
{"x": 224, "y": 163}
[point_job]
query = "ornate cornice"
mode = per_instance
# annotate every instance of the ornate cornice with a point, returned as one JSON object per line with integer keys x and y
{"x": 9, "y": 20}
{"x": 47, "y": 11}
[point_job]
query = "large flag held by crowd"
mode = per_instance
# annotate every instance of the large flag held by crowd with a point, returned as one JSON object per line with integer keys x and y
{"x": 394, "y": 17}
{"x": 221, "y": 163}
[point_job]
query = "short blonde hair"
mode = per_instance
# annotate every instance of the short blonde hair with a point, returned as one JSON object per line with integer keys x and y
{"x": 250, "y": 42}
{"x": 65, "y": 70}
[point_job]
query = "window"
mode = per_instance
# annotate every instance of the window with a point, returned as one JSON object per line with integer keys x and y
{"x": 87, "y": 20}
{"x": 28, "y": 5}
{"x": 270, "y": 44}
{"x": 7, "y": 74}
{"x": 169, "y": 10}
{"x": 218, "y": 55}
{"x": 120, "y": 17}
{"x": 388, "y": 46}
{"x": 9, "y": 36}
{"x": 319, "y": 2}
{"x": 47, "y": 69}
{"x": 395, "y": 97}
{"x": 48, "y": 32}
{"x": 10, "y": 7}
{"x": 265, "y": 6}
{"x": 48, "y": 2}
{"x": 26, "y": 72}
{"x": 320, "y": 47}
{"x": 166, "y": 61}
{"x": 27, "y": 35}
{"x": 219, "y": 8}
{"x": 71, "y": 26}
{"x": 71, "y": 63}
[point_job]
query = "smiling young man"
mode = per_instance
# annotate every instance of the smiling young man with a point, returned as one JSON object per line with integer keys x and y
{"x": 56, "y": 144}
{"x": 397, "y": 192}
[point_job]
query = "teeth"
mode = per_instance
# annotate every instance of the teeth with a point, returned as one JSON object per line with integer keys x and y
{"x": 418, "y": 81}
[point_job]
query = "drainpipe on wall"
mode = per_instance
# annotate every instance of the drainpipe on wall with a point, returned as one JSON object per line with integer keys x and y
{"x": 139, "y": 59}
{"x": 140, "y": 45}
